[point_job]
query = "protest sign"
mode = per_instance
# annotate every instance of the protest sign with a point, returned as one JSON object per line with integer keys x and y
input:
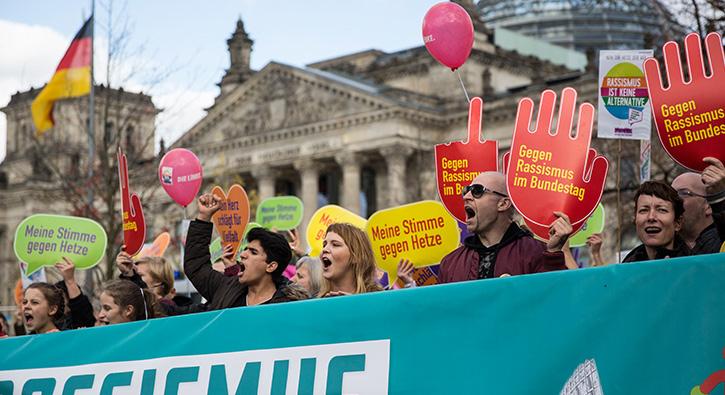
{"x": 542, "y": 231}
{"x": 280, "y": 213}
{"x": 157, "y": 248}
{"x": 44, "y": 239}
{"x": 690, "y": 116}
{"x": 322, "y": 218}
{"x": 459, "y": 162}
{"x": 554, "y": 172}
{"x": 421, "y": 232}
{"x": 233, "y": 216}
{"x": 624, "y": 111}
{"x": 384, "y": 342}
{"x": 216, "y": 250}
{"x": 593, "y": 224}
{"x": 134, "y": 225}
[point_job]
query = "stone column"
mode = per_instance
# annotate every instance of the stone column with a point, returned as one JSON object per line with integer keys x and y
{"x": 265, "y": 181}
{"x": 381, "y": 186}
{"x": 350, "y": 163}
{"x": 309, "y": 174}
{"x": 396, "y": 156}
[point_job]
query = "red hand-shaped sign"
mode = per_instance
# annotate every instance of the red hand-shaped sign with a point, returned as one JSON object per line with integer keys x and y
{"x": 543, "y": 230}
{"x": 550, "y": 172}
{"x": 134, "y": 225}
{"x": 458, "y": 163}
{"x": 690, "y": 116}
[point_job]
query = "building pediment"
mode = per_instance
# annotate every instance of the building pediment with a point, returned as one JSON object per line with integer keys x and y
{"x": 282, "y": 97}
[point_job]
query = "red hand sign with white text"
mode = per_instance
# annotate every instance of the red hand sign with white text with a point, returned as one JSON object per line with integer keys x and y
{"x": 134, "y": 225}
{"x": 459, "y": 162}
{"x": 555, "y": 172}
{"x": 690, "y": 116}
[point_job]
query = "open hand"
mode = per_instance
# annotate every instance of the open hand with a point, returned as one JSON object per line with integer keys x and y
{"x": 555, "y": 172}
{"x": 685, "y": 111}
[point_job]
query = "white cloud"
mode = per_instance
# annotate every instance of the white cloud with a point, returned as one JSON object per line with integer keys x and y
{"x": 182, "y": 108}
{"x": 32, "y": 53}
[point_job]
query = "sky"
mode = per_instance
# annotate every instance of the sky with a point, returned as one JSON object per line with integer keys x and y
{"x": 176, "y": 51}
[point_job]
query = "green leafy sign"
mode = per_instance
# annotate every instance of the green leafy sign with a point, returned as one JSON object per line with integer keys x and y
{"x": 280, "y": 213}
{"x": 594, "y": 224}
{"x": 43, "y": 239}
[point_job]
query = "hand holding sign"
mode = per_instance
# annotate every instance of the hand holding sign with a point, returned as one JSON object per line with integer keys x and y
{"x": 422, "y": 232}
{"x": 232, "y": 214}
{"x": 555, "y": 172}
{"x": 134, "y": 225}
{"x": 458, "y": 163}
{"x": 690, "y": 116}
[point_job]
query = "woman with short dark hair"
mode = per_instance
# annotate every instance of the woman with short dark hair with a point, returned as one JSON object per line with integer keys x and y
{"x": 658, "y": 211}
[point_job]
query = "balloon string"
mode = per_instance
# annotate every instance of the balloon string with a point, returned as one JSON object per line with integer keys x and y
{"x": 186, "y": 216}
{"x": 463, "y": 86}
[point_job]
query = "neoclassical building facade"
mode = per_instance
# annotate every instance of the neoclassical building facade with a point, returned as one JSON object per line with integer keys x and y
{"x": 357, "y": 130}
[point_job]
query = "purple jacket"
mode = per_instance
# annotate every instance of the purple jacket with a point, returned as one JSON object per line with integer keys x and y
{"x": 521, "y": 254}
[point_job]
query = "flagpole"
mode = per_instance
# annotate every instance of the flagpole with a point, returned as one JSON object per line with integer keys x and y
{"x": 91, "y": 117}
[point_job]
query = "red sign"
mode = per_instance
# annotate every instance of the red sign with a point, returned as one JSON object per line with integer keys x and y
{"x": 459, "y": 162}
{"x": 233, "y": 216}
{"x": 543, "y": 231}
{"x": 690, "y": 116}
{"x": 134, "y": 225}
{"x": 554, "y": 172}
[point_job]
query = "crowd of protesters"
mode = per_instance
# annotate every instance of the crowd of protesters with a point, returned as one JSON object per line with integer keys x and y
{"x": 681, "y": 219}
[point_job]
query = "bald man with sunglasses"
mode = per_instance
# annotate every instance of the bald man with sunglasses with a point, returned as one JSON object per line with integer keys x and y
{"x": 498, "y": 247}
{"x": 703, "y": 195}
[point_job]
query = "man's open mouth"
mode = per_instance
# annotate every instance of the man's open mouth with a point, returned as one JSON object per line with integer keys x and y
{"x": 470, "y": 212}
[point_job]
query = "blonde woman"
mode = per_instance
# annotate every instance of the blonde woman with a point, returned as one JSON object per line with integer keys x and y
{"x": 348, "y": 263}
{"x": 158, "y": 276}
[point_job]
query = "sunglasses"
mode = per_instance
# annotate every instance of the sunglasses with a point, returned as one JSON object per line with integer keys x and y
{"x": 477, "y": 190}
{"x": 688, "y": 193}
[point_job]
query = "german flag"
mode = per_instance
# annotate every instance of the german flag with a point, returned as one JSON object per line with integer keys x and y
{"x": 72, "y": 78}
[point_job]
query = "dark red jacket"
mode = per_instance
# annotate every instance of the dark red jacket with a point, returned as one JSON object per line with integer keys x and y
{"x": 520, "y": 254}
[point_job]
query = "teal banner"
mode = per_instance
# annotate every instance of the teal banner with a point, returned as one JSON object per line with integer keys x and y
{"x": 646, "y": 328}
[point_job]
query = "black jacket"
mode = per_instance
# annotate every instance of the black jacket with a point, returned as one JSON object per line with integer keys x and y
{"x": 219, "y": 290}
{"x": 81, "y": 311}
{"x": 711, "y": 238}
{"x": 640, "y": 253}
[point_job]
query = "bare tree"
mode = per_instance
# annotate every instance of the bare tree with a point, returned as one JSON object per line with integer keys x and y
{"x": 123, "y": 119}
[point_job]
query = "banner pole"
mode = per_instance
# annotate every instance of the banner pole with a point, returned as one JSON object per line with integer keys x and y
{"x": 91, "y": 118}
{"x": 619, "y": 200}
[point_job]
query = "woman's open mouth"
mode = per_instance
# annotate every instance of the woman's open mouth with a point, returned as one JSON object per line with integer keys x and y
{"x": 326, "y": 262}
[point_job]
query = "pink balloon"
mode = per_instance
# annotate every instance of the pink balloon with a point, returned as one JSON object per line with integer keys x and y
{"x": 180, "y": 174}
{"x": 448, "y": 34}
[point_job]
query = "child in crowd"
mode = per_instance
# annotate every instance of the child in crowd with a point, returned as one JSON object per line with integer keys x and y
{"x": 43, "y": 308}
{"x": 123, "y": 301}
